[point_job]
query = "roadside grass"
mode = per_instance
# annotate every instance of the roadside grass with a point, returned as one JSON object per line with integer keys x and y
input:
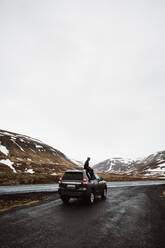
{"x": 38, "y": 178}
{"x": 116, "y": 177}
{"x": 6, "y": 205}
{"x": 24, "y": 178}
{"x": 25, "y": 199}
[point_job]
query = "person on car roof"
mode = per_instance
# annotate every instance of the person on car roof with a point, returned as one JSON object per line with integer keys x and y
{"x": 89, "y": 170}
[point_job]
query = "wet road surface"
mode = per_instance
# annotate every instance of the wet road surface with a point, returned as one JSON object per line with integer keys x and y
{"x": 132, "y": 217}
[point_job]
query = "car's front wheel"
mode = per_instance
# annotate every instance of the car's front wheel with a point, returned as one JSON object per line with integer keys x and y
{"x": 65, "y": 199}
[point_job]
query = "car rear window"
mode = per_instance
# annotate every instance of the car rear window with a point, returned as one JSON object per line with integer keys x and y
{"x": 73, "y": 176}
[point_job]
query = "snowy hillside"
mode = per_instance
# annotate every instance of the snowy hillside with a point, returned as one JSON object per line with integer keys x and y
{"x": 114, "y": 165}
{"x": 22, "y": 154}
{"x": 151, "y": 166}
{"x": 156, "y": 171}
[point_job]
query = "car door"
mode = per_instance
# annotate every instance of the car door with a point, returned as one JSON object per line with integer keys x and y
{"x": 99, "y": 183}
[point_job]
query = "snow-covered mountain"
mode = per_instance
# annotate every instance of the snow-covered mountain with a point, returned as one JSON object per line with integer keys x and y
{"x": 151, "y": 166}
{"x": 115, "y": 165}
{"x": 22, "y": 154}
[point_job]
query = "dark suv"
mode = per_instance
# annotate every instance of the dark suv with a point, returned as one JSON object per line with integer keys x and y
{"x": 76, "y": 184}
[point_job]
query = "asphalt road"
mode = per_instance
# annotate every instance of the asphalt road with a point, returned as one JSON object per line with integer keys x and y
{"x": 132, "y": 217}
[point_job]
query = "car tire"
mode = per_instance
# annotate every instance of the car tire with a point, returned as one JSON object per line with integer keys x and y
{"x": 104, "y": 194}
{"x": 65, "y": 199}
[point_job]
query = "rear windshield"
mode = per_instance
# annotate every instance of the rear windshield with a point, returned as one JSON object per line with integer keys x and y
{"x": 73, "y": 176}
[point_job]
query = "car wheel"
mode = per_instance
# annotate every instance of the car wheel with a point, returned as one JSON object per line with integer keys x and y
{"x": 65, "y": 199}
{"x": 104, "y": 193}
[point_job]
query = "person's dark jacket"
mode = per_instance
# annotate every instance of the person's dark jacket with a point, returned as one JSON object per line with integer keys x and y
{"x": 86, "y": 165}
{"x": 89, "y": 170}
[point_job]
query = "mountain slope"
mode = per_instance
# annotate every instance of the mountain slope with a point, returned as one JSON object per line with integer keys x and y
{"x": 151, "y": 166}
{"x": 23, "y": 154}
{"x": 114, "y": 165}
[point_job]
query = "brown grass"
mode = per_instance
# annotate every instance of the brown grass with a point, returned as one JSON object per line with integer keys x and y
{"x": 6, "y": 205}
{"x": 23, "y": 178}
{"x": 113, "y": 177}
{"x": 25, "y": 199}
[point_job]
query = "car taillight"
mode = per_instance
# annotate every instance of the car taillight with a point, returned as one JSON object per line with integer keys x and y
{"x": 85, "y": 181}
{"x": 60, "y": 180}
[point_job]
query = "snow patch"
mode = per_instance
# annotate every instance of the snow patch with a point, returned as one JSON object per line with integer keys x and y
{"x": 156, "y": 170}
{"x": 31, "y": 171}
{"x": 54, "y": 174}
{"x": 9, "y": 134}
{"x": 18, "y": 145}
{"x": 4, "y": 150}
{"x": 39, "y": 146}
{"x": 8, "y": 163}
{"x": 31, "y": 139}
{"x": 32, "y": 150}
{"x": 13, "y": 137}
{"x": 160, "y": 168}
{"x": 21, "y": 159}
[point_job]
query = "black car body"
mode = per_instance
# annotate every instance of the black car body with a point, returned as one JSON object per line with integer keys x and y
{"x": 76, "y": 184}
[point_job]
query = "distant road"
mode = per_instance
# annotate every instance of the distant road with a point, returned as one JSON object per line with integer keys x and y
{"x": 131, "y": 217}
{"x": 28, "y": 188}
{"x": 54, "y": 187}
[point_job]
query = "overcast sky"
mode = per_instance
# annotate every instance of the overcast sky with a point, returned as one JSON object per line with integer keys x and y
{"x": 85, "y": 76}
